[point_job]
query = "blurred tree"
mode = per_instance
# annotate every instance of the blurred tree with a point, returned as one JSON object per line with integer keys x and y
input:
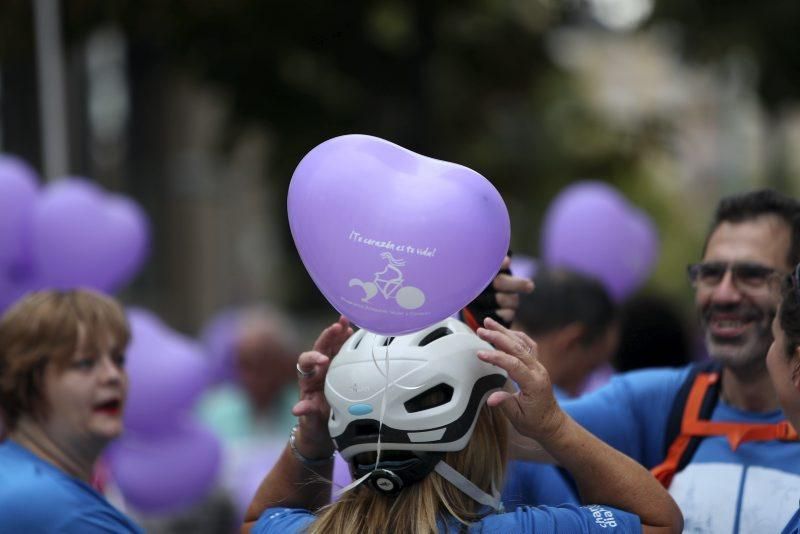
{"x": 758, "y": 38}
{"x": 468, "y": 81}
{"x": 764, "y": 33}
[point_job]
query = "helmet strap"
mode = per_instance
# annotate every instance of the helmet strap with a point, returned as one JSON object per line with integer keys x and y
{"x": 354, "y": 484}
{"x": 467, "y": 487}
{"x": 452, "y": 476}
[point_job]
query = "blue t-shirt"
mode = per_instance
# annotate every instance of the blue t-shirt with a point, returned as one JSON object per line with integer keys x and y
{"x": 38, "y": 498}
{"x": 752, "y": 489}
{"x": 532, "y": 484}
{"x": 565, "y": 519}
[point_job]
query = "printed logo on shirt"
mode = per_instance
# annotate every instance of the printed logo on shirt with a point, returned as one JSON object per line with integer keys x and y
{"x": 603, "y": 517}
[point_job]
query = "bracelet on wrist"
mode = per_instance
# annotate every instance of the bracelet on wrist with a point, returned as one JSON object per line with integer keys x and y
{"x": 302, "y": 459}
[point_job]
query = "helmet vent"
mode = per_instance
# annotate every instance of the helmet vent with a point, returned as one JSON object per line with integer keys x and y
{"x": 387, "y": 341}
{"x": 358, "y": 339}
{"x": 366, "y": 428}
{"x": 436, "y": 334}
{"x": 431, "y": 398}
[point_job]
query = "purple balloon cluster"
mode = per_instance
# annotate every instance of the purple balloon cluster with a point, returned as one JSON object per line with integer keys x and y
{"x": 592, "y": 228}
{"x": 165, "y": 461}
{"x": 70, "y": 233}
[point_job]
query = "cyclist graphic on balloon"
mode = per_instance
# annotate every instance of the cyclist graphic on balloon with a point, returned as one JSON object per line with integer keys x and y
{"x": 389, "y": 283}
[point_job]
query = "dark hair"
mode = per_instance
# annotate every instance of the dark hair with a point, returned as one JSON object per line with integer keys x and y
{"x": 763, "y": 202}
{"x": 652, "y": 334}
{"x": 44, "y": 328}
{"x": 564, "y": 297}
{"x": 789, "y": 317}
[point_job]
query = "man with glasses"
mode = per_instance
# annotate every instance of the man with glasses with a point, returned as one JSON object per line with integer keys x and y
{"x": 714, "y": 433}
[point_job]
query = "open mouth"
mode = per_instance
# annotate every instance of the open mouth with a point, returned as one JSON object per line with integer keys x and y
{"x": 728, "y": 328}
{"x": 110, "y": 407}
{"x": 730, "y": 325}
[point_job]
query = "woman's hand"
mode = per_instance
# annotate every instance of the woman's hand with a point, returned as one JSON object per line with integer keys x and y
{"x": 291, "y": 482}
{"x": 533, "y": 409}
{"x": 312, "y": 438}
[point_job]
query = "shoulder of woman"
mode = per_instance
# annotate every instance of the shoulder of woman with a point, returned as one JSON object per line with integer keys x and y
{"x": 283, "y": 520}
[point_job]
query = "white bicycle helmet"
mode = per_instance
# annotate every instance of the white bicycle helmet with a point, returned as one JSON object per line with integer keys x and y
{"x": 424, "y": 392}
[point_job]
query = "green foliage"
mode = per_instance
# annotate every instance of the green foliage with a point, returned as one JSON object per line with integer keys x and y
{"x": 764, "y": 32}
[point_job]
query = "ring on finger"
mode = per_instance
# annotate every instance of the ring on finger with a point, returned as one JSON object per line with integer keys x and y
{"x": 304, "y": 374}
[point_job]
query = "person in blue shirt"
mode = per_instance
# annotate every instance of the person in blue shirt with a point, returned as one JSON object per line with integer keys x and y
{"x": 742, "y": 472}
{"x": 62, "y": 390}
{"x": 783, "y": 361}
{"x": 574, "y": 322}
{"x": 421, "y": 418}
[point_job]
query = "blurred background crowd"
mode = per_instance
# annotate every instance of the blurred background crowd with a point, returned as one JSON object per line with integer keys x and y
{"x": 147, "y": 148}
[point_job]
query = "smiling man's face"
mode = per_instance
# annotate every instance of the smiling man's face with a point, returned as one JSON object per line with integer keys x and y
{"x": 735, "y": 316}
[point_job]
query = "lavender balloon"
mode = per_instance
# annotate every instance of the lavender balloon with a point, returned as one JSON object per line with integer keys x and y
{"x": 16, "y": 282}
{"x": 85, "y": 237}
{"x": 394, "y": 240}
{"x": 524, "y": 266}
{"x": 591, "y": 227}
{"x": 341, "y": 475}
{"x": 165, "y": 474}
{"x": 167, "y": 374}
{"x": 129, "y": 224}
{"x": 18, "y": 191}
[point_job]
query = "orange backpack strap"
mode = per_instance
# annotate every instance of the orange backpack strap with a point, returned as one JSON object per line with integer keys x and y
{"x": 468, "y": 317}
{"x": 682, "y": 447}
{"x": 695, "y": 425}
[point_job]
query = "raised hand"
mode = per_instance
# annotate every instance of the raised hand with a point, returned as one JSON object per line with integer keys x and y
{"x": 533, "y": 409}
{"x": 312, "y": 409}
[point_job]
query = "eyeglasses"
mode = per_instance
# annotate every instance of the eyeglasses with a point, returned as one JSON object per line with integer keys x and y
{"x": 746, "y": 275}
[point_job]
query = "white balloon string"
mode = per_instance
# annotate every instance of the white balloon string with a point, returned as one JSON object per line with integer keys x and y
{"x": 375, "y": 361}
{"x": 383, "y": 408}
{"x": 394, "y": 383}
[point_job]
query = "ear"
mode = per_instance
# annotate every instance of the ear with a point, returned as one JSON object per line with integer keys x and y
{"x": 796, "y": 368}
{"x": 568, "y": 337}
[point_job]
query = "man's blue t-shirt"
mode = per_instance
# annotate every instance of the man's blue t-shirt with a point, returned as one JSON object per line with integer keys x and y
{"x": 38, "y": 498}
{"x": 565, "y": 519}
{"x": 752, "y": 489}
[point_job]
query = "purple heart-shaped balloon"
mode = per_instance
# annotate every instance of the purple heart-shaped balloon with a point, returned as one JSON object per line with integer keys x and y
{"x": 85, "y": 237}
{"x": 167, "y": 373}
{"x": 168, "y": 473}
{"x": 396, "y": 241}
{"x": 592, "y": 228}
